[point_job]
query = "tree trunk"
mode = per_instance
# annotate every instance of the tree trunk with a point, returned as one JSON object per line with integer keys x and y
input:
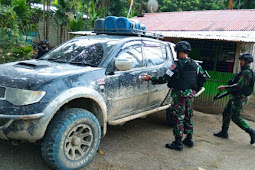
{"x": 103, "y": 6}
{"x": 58, "y": 35}
{"x": 230, "y": 4}
{"x": 44, "y": 28}
{"x": 48, "y": 20}
{"x": 61, "y": 33}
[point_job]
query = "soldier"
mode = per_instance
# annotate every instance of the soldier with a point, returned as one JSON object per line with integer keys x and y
{"x": 43, "y": 49}
{"x": 182, "y": 77}
{"x": 239, "y": 87}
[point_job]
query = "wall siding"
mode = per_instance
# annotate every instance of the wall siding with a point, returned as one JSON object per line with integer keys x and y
{"x": 211, "y": 89}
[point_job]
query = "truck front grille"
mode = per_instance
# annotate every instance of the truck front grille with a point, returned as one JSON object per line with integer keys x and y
{"x": 2, "y": 92}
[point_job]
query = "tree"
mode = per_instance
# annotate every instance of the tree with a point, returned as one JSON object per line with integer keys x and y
{"x": 24, "y": 15}
{"x": 15, "y": 19}
{"x": 9, "y": 25}
{"x": 211, "y": 5}
{"x": 190, "y": 5}
{"x": 244, "y": 4}
{"x": 93, "y": 14}
{"x": 78, "y": 24}
{"x": 117, "y": 7}
{"x": 61, "y": 16}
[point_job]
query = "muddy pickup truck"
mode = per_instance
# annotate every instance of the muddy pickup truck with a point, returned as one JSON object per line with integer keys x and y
{"x": 69, "y": 96}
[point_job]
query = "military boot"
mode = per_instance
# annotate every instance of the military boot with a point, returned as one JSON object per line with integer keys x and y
{"x": 188, "y": 141}
{"x": 223, "y": 133}
{"x": 252, "y": 134}
{"x": 176, "y": 145}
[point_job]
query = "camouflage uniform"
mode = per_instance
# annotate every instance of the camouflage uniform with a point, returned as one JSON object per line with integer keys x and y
{"x": 239, "y": 87}
{"x": 236, "y": 102}
{"x": 182, "y": 107}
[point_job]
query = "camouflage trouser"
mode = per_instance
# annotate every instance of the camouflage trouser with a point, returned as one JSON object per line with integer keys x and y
{"x": 181, "y": 114}
{"x": 232, "y": 111}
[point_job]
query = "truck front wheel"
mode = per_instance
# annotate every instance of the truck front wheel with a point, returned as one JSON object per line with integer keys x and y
{"x": 71, "y": 140}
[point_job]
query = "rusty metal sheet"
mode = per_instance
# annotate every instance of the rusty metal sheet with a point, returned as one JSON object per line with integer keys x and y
{"x": 235, "y": 36}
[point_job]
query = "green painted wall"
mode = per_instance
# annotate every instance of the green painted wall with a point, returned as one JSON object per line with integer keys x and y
{"x": 211, "y": 89}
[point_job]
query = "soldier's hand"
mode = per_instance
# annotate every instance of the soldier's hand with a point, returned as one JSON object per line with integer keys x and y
{"x": 221, "y": 88}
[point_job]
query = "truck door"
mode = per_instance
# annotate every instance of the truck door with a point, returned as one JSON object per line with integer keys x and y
{"x": 157, "y": 61}
{"x": 128, "y": 93}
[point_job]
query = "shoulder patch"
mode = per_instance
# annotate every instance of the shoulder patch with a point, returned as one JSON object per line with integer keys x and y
{"x": 172, "y": 67}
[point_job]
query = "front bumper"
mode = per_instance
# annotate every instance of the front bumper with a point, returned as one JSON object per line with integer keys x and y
{"x": 9, "y": 119}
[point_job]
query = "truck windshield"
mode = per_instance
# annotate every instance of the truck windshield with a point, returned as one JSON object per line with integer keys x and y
{"x": 81, "y": 51}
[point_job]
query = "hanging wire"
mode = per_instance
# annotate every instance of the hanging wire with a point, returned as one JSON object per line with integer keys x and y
{"x": 155, "y": 16}
{"x": 130, "y": 8}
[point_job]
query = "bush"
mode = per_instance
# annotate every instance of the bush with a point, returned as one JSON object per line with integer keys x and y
{"x": 17, "y": 54}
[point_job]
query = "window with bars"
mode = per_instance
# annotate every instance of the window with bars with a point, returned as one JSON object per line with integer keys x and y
{"x": 216, "y": 55}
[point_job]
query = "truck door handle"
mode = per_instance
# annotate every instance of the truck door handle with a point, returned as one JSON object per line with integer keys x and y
{"x": 141, "y": 76}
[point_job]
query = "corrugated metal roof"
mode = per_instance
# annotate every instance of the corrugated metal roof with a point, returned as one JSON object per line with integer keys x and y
{"x": 210, "y": 20}
{"x": 236, "y": 36}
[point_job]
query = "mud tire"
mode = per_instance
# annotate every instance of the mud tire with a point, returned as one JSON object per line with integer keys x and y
{"x": 63, "y": 127}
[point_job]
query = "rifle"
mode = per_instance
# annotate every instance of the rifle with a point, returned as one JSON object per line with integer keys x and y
{"x": 219, "y": 95}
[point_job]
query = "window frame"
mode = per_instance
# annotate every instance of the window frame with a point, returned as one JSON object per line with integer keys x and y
{"x": 138, "y": 42}
{"x": 160, "y": 44}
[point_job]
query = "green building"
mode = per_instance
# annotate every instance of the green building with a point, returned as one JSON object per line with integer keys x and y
{"x": 217, "y": 38}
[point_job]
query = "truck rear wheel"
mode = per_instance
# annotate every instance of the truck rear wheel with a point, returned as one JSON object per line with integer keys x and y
{"x": 71, "y": 140}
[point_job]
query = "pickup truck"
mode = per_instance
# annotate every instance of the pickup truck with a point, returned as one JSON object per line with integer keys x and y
{"x": 69, "y": 96}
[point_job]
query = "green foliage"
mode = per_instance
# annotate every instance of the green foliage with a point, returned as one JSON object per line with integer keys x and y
{"x": 211, "y": 5}
{"x": 8, "y": 19}
{"x": 118, "y": 8}
{"x": 22, "y": 53}
{"x": 93, "y": 13}
{"x": 16, "y": 19}
{"x": 77, "y": 24}
{"x": 61, "y": 15}
{"x": 8, "y": 26}
{"x": 19, "y": 6}
{"x": 25, "y": 16}
{"x": 244, "y": 4}
{"x": 6, "y": 2}
{"x": 17, "y": 54}
{"x": 191, "y": 5}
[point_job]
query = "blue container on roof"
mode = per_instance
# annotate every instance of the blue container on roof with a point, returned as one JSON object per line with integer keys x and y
{"x": 143, "y": 28}
{"x": 109, "y": 23}
{"x": 136, "y": 23}
{"x": 99, "y": 25}
{"x": 125, "y": 25}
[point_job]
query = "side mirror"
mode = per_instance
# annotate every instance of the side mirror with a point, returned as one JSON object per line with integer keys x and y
{"x": 123, "y": 64}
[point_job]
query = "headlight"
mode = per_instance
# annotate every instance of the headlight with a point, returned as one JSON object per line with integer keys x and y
{"x": 21, "y": 97}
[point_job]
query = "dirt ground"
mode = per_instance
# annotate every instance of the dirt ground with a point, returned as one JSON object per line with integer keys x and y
{"x": 249, "y": 109}
{"x": 139, "y": 144}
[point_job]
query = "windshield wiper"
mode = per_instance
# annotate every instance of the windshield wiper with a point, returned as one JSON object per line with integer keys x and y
{"x": 59, "y": 61}
{"x": 85, "y": 64}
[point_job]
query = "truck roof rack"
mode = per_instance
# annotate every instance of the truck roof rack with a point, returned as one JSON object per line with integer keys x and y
{"x": 132, "y": 32}
{"x": 122, "y": 26}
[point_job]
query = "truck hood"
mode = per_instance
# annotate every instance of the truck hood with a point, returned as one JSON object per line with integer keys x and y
{"x": 31, "y": 74}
